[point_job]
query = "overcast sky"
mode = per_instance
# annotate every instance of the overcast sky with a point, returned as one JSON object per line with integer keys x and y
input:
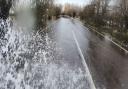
{"x": 77, "y": 2}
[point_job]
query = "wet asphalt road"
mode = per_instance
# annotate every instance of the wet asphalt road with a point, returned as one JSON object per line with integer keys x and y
{"x": 107, "y": 64}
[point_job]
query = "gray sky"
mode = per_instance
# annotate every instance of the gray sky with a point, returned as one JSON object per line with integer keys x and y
{"x": 77, "y": 2}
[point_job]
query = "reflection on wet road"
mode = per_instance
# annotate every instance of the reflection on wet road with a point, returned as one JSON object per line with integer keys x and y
{"x": 106, "y": 62}
{"x": 66, "y": 38}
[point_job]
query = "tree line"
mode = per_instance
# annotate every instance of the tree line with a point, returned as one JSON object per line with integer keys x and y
{"x": 42, "y": 9}
{"x": 107, "y": 12}
{"x": 109, "y": 17}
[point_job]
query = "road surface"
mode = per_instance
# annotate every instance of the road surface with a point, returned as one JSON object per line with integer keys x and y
{"x": 107, "y": 64}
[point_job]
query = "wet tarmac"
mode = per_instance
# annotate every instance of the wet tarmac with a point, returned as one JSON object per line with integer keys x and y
{"x": 107, "y": 63}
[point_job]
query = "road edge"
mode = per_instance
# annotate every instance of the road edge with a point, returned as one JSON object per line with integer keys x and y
{"x": 115, "y": 43}
{"x": 92, "y": 85}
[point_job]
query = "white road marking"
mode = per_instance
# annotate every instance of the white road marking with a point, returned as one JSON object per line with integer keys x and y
{"x": 92, "y": 85}
{"x": 110, "y": 40}
{"x": 104, "y": 37}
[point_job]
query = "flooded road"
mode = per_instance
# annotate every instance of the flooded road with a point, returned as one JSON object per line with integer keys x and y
{"x": 67, "y": 56}
{"x": 107, "y": 62}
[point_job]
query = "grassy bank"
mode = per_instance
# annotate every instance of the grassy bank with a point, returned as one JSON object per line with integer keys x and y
{"x": 118, "y": 35}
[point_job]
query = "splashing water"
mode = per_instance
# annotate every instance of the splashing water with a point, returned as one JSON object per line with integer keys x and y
{"x": 27, "y": 62}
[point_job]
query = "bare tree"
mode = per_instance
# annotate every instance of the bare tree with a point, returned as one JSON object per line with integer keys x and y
{"x": 124, "y": 12}
{"x": 105, "y": 4}
{"x": 41, "y": 10}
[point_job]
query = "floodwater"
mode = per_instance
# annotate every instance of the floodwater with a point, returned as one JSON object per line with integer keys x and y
{"x": 107, "y": 63}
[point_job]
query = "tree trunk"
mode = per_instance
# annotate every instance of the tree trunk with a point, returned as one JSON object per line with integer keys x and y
{"x": 4, "y": 8}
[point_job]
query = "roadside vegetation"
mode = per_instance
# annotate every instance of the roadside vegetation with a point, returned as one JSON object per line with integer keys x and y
{"x": 110, "y": 17}
{"x": 46, "y": 10}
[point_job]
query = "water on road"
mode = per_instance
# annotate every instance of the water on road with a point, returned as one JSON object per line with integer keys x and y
{"x": 68, "y": 56}
{"x": 107, "y": 63}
